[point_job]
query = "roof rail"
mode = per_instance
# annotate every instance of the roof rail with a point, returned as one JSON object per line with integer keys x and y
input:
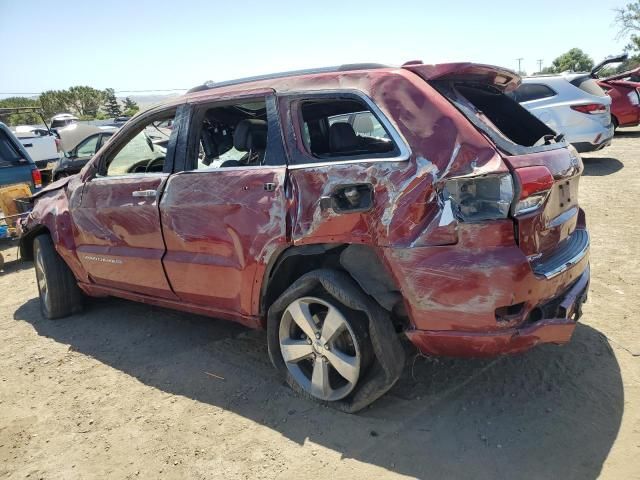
{"x": 293, "y": 73}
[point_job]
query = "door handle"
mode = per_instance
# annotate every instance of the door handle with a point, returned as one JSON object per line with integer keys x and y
{"x": 144, "y": 193}
{"x": 349, "y": 198}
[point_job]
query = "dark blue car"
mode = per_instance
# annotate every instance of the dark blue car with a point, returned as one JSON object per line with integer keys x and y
{"x": 16, "y": 165}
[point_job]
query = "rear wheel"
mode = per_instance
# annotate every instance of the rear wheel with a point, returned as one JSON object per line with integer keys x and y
{"x": 321, "y": 348}
{"x": 321, "y": 345}
{"x": 58, "y": 288}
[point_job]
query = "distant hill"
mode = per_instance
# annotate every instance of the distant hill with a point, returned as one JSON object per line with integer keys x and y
{"x": 146, "y": 101}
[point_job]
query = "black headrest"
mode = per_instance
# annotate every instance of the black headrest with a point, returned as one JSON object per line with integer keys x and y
{"x": 250, "y": 134}
{"x": 342, "y": 137}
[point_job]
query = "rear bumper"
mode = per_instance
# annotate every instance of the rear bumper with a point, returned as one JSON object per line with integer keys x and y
{"x": 584, "y": 147}
{"x": 46, "y": 164}
{"x": 556, "y": 325}
{"x": 593, "y": 140}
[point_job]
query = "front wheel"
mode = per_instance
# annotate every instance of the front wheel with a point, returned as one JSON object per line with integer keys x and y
{"x": 58, "y": 288}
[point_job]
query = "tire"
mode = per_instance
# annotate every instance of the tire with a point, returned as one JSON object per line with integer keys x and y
{"x": 320, "y": 345}
{"x": 58, "y": 289}
{"x": 614, "y": 120}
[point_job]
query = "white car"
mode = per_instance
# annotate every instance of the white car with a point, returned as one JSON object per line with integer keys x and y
{"x": 572, "y": 104}
{"x": 42, "y": 145}
{"x": 62, "y": 120}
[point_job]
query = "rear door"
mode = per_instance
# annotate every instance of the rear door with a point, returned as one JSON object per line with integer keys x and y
{"x": 119, "y": 238}
{"x": 224, "y": 218}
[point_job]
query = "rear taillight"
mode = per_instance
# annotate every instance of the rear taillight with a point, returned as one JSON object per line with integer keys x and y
{"x": 474, "y": 199}
{"x": 590, "y": 108}
{"x": 36, "y": 176}
{"x": 634, "y": 97}
{"x": 534, "y": 184}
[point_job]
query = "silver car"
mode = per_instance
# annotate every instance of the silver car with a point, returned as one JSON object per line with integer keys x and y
{"x": 572, "y": 104}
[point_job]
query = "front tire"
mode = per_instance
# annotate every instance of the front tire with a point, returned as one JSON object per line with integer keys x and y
{"x": 57, "y": 287}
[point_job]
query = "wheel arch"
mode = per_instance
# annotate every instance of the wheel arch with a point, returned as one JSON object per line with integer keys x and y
{"x": 25, "y": 244}
{"x": 363, "y": 263}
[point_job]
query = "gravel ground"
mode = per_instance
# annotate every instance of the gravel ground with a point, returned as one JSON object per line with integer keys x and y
{"x": 131, "y": 391}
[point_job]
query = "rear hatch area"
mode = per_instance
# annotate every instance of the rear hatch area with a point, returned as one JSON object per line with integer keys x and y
{"x": 548, "y": 223}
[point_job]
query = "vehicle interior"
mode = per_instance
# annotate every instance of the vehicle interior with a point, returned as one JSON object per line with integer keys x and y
{"x": 234, "y": 136}
{"x": 498, "y": 110}
{"x": 343, "y": 128}
{"x": 145, "y": 152}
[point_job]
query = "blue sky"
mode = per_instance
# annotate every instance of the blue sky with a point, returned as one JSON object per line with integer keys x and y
{"x": 140, "y": 45}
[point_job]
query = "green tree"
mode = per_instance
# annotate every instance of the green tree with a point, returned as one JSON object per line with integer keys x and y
{"x": 80, "y": 100}
{"x": 86, "y": 101}
{"x": 628, "y": 21}
{"x": 55, "y": 101}
{"x": 574, "y": 60}
{"x": 20, "y": 118}
{"x": 130, "y": 107}
{"x": 111, "y": 105}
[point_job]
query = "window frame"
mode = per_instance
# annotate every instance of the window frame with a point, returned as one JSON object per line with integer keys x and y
{"x": 275, "y": 155}
{"x": 86, "y": 140}
{"x": 300, "y": 157}
{"x": 126, "y": 134}
{"x": 104, "y": 137}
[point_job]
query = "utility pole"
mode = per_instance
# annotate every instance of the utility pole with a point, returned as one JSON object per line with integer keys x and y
{"x": 539, "y": 65}
{"x": 519, "y": 63}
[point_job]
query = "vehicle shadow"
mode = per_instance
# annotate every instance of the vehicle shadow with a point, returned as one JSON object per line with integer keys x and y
{"x": 601, "y": 166}
{"x": 11, "y": 263}
{"x": 551, "y": 413}
{"x": 628, "y": 133}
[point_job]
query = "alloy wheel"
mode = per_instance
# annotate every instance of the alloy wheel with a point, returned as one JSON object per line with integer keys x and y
{"x": 320, "y": 348}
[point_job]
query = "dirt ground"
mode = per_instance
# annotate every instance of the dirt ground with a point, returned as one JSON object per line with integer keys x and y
{"x": 130, "y": 391}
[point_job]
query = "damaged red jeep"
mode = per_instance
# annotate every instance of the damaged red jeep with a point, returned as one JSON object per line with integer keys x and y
{"x": 341, "y": 209}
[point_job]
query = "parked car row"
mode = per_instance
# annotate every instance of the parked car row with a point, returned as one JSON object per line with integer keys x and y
{"x": 582, "y": 107}
{"x": 340, "y": 209}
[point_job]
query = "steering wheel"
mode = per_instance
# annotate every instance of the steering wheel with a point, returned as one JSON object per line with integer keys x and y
{"x": 144, "y": 166}
{"x": 155, "y": 162}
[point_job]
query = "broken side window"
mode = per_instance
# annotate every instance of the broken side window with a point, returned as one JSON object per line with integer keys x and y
{"x": 233, "y": 135}
{"x": 343, "y": 128}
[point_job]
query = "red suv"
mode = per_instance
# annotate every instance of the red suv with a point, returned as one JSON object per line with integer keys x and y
{"x": 341, "y": 209}
{"x": 624, "y": 90}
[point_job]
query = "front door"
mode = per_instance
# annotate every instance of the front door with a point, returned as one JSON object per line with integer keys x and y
{"x": 223, "y": 215}
{"x": 119, "y": 238}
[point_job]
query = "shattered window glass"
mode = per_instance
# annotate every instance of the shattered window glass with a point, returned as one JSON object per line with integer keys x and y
{"x": 344, "y": 128}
